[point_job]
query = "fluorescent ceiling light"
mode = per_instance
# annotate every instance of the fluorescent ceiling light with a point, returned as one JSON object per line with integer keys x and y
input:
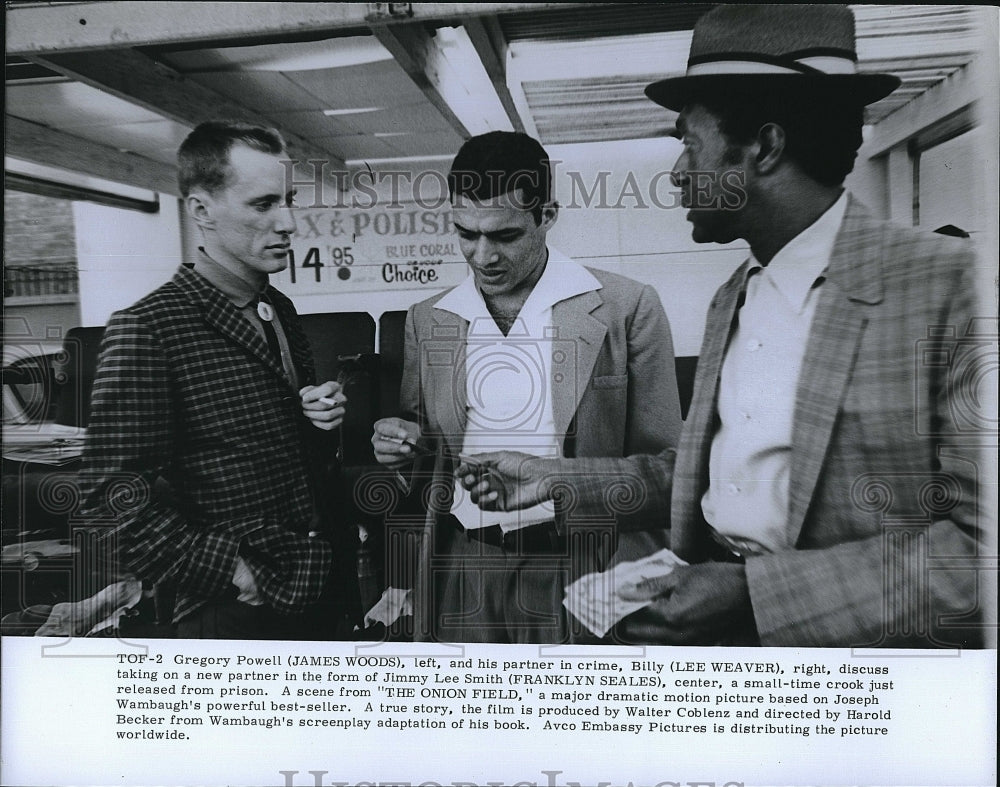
{"x": 392, "y": 133}
{"x": 356, "y": 111}
{"x": 646, "y": 55}
{"x": 361, "y": 162}
{"x": 302, "y": 56}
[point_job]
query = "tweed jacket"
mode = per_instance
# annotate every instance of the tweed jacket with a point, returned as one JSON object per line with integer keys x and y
{"x": 197, "y": 449}
{"x": 882, "y": 509}
{"x": 614, "y": 397}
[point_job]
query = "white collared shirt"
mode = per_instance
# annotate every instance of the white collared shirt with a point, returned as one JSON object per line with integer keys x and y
{"x": 749, "y": 465}
{"x": 508, "y": 380}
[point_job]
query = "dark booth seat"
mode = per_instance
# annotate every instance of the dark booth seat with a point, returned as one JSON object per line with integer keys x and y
{"x": 343, "y": 348}
{"x": 75, "y": 374}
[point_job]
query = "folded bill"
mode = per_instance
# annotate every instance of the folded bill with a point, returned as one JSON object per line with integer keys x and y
{"x": 394, "y": 604}
{"x": 594, "y": 599}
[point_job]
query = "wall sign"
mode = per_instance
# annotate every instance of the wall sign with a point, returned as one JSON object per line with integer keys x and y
{"x": 403, "y": 247}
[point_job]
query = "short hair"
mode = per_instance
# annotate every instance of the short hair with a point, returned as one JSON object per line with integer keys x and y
{"x": 203, "y": 158}
{"x": 498, "y": 163}
{"x": 822, "y": 130}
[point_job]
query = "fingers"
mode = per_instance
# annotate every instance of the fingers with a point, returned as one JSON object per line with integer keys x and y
{"x": 650, "y": 626}
{"x": 326, "y": 419}
{"x": 479, "y": 485}
{"x": 646, "y": 589}
{"x": 322, "y": 399}
{"x": 324, "y": 405}
{"x": 396, "y": 429}
{"x": 313, "y": 395}
{"x": 394, "y": 440}
{"x": 244, "y": 580}
{"x": 477, "y": 475}
{"x": 473, "y": 466}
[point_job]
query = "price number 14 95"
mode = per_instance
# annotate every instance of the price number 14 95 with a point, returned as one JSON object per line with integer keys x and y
{"x": 339, "y": 255}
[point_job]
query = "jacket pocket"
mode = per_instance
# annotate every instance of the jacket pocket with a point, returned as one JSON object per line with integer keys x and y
{"x": 610, "y": 381}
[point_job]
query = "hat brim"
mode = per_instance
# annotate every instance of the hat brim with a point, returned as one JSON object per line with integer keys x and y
{"x": 674, "y": 93}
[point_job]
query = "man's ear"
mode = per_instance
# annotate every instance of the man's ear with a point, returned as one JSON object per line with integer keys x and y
{"x": 199, "y": 208}
{"x": 769, "y": 148}
{"x": 550, "y": 212}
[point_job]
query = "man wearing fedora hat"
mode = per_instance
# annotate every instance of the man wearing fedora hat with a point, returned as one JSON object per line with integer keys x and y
{"x": 824, "y": 490}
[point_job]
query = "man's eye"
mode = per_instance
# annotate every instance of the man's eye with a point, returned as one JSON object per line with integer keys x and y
{"x": 263, "y": 207}
{"x": 466, "y": 235}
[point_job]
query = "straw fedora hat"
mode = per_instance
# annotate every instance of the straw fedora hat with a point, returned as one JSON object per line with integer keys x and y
{"x": 774, "y": 47}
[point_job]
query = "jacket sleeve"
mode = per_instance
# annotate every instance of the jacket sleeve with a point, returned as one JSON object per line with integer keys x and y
{"x": 409, "y": 387}
{"x": 132, "y": 442}
{"x": 413, "y": 477}
{"x": 635, "y": 487}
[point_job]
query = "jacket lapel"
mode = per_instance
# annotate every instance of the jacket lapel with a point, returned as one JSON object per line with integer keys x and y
{"x": 853, "y": 283}
{"x": 298, "y": 344}
{"x": 220, "y": 314}
{"x": 442, "y": 359}
{"x": 691, "y": 477}
{"x": 574, "y": 353}
{"x": 575, "y": 348}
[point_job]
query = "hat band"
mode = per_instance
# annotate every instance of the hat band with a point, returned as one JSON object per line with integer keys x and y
{"x": 813, "y": 63}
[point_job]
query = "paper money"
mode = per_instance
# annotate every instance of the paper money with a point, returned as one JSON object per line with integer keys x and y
{"x": 594, "y": 599}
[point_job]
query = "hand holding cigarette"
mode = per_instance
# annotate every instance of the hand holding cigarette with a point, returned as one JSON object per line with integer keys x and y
{"x": 505, "y": 480}
{"x": 324, "y": 404}
{"x": 396, "y": 441}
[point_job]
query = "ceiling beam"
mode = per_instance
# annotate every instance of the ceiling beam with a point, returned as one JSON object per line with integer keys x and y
{"x": 520, "y": 99}
{"x": 137, "y": 78}
{"x": 444, "y": 65}
{"x": 40, "y": 144}
{"x": 415, "y": 51}
{"x": 68, "y": 27}
{"x": 950, "y": 96}
{"x": 487, "y": 38}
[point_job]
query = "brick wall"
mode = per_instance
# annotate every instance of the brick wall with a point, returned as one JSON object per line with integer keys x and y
{"x": 38, "y": 230}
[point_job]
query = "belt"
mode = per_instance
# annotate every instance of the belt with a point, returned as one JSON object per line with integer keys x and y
{"x": 734, "y": 550}
{"x": 542, "y": 538}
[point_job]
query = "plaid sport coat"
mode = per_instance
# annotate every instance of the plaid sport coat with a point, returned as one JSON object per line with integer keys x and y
{"x": 883, "y": 489}
{"x": 615, "y": 406}
{"x": 188, "y": 393}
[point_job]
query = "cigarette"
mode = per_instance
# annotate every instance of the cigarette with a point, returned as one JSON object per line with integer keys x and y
{"x": 415, "y": 446}
{"x": 329, "y": 401}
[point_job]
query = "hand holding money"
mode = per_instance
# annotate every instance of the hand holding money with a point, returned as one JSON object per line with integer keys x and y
{"x": 601, "y": 599}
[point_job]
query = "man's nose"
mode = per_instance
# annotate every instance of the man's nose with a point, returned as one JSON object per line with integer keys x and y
{"x": 484, "y": 251}
{"x": 679, "y": 174}
{"x": 285, "y": 223}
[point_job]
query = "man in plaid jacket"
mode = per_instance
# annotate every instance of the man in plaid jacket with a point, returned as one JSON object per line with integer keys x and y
{"x": 205, "y": 446}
